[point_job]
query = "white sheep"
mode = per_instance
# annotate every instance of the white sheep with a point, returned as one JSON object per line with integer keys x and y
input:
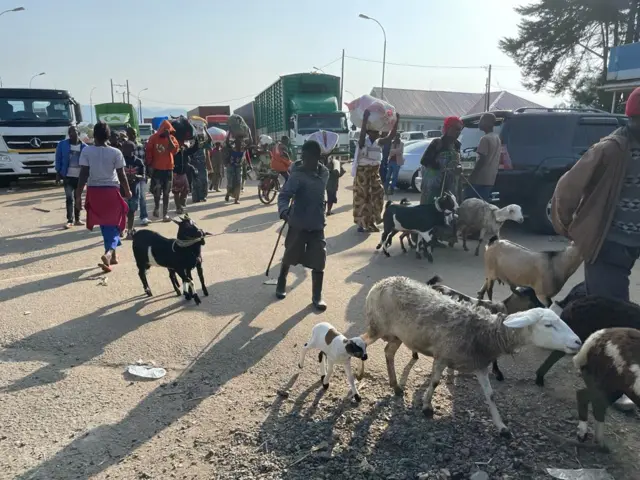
{"x": 609, "y": 362}
{"x": 456, "y": 334}
{"x": 335, "y": 348}
{"x": 515, "y": 265}
{"x": 476, "y": 215}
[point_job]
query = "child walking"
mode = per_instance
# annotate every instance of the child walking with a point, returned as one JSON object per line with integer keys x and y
{"x": 135, "y": 171}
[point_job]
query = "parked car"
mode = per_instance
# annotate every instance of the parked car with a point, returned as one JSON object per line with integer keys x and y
{"x": 405, "y": 136}
{"x": 433, "y": 133}
{"x": 538, "y": 146}
{"x": 409, "y": 175}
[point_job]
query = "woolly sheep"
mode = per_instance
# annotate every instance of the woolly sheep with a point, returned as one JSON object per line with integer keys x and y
{"x": 335, "y": 348}
{"x": 545, "y": 272}
{"x": 609, "y": 362}
{"x": 402, "y": 310}
{"x": 476, "y": 215}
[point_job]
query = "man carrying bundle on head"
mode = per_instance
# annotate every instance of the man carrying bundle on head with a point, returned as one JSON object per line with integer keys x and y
{"x": 305, "y": 243}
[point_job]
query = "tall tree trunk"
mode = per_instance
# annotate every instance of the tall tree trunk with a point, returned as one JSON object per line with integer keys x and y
{"x": 636, "y": 37}
{"x": 631, "y": 21}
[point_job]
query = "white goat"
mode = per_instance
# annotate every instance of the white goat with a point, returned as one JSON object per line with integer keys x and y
{"x": 335, "y": 348}
{"x": 457, "y": 335}
{"x": 476, "y": 215}
{"x": 545, "y": 272}
{"x": 609, "y": 362}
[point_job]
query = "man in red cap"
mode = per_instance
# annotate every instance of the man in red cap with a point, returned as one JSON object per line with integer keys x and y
{"x": 597, "y": 205}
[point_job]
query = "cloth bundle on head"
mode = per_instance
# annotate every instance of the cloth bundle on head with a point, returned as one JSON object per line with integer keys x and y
{"x": 327, "y": 140}
{"x": 450, "y": 122}
{"x": 633, "y": 104}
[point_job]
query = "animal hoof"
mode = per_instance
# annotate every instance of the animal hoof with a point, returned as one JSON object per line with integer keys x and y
{"x": 428, "y": 412}
{"x": 430, "y": 259}
{"x": 379, "y": 246}
{"x": 325, "y": 386}
{"x": 357, "y": 398}
{"x": 300, "y": 366}
{"x": 477, "y": 253}
{"x": 499, "y": 376}
{"x": 398, "y": 391}
{"x": 386, "y": 254}
{"x": 540, "y": 381}
{"x": 148, "y": 292}
{"x": 415, "y": 355}
{"x": 205, "y": 292}
{"x": 505, "y": 433}
{"x": 465, "y": 249}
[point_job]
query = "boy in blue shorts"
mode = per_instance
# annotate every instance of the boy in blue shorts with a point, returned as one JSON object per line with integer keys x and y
{"x": 135, "y": 170}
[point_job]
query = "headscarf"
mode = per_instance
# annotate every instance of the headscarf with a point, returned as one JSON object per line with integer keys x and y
{"x": 450, "y": 122}
{"x": 633, "y": 104}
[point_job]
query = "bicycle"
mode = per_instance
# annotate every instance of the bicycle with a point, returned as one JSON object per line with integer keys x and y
{"x": 268, "y": 187}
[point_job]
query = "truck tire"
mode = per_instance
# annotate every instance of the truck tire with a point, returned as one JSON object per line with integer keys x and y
{"x": 540, "y": 214}
{"x": 414, "y": 184}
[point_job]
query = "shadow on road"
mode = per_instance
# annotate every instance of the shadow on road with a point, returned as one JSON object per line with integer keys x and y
{"x": 254, "y": 223}
{"x": 41, "y": 284}
{"x": 241, "y": 348}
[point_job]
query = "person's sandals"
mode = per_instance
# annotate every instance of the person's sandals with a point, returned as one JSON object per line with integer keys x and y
{"x": 105, "y": 264}
{"x": 78, "y": 223}
{"x": 68, "y": 225}
{"x": 166, "y": 219}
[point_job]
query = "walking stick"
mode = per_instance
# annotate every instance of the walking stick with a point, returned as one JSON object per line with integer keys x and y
{"x": 275, "y": 247}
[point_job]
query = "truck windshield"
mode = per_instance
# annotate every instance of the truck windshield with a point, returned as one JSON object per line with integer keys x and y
{"x": 34, "y": 112}
{"x": 314, "y": 122}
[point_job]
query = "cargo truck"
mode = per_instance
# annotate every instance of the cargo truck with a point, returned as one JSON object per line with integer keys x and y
{"x": 32, "y": 122}
{"x": 204, "y": 110}
{"x": 299, "y": 104}
{"x": 118, "y": 116}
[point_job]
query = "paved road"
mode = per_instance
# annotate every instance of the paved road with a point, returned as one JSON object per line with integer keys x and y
{"x": 65, "y": 339}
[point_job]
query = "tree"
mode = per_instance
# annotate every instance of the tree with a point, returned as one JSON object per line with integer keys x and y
{"x": 563, "y": 45}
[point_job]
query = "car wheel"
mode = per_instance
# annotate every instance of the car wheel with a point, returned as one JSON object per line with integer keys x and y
{"x": 540, "y": 215}
{"x": 416, "y": 181}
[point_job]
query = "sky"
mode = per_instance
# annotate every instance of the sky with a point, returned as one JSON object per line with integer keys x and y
{"x": 213, "y": 52}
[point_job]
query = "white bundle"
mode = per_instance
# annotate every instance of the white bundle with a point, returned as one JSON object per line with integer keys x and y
{"x": 382, "y": 115}
{"x": 265, "y": 140}
{"x": 327, "y": 140}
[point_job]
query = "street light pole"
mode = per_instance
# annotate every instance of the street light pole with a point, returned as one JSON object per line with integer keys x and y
{"x": 316, "y": 69}
{"x": 36, "y": 75}
{"x": 384, "y": 51}
{"x": 140, "y": 104}
{"x": 17, "y": 9}
{"x": 91, "y": 102}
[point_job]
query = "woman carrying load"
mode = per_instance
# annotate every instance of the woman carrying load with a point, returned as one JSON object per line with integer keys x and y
{"x": 234, "y": 159}
{"x": 368, "y": 194}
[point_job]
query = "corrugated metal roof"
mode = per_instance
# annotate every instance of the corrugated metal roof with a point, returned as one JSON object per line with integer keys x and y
{"x": 434, "y": 103}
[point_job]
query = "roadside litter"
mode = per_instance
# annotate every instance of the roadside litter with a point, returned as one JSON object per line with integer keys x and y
{"x": 580, "y": 474}
{"x": 146, "y": 370}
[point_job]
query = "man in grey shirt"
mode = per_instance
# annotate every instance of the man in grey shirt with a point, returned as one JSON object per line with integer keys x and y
{"x": 485, "y": 171}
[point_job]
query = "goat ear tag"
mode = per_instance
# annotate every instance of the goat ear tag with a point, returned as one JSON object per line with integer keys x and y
{"x": 519, "y": 320}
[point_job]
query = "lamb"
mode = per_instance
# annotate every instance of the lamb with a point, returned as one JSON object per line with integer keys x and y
{"x": 545, "y": 272}
{"x": 179, "y": 256}
{"x": 402, "y": 310}
{"x": 609, "y": 362}
{"x": 521, "y": 299}
{"x": 420, "y": 219}
{"x": 335, "y": 348}
{"x": 476, "y": 215}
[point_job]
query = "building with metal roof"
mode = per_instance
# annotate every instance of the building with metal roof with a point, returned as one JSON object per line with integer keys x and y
{"x": 426, "y": 109}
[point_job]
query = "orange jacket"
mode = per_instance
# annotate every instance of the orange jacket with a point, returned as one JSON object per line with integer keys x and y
{"x": 279, "y": 162}
{"x": 160, "y": 149}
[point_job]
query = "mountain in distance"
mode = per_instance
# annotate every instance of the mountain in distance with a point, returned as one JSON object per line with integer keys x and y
{"x": 146, "y": 112}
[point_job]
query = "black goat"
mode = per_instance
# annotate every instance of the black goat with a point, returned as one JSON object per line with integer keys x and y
{"x": 180, "y": 256}
{"x": 420, "y": 219}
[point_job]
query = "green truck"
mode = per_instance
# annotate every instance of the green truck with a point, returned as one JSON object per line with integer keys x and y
{"x": 300, "y": 104}
{"x": 118, "y": 115}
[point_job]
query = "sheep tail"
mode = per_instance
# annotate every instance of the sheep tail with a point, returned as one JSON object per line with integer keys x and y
{"x": 434, "y": 280}
{"x": 493, "y": 240}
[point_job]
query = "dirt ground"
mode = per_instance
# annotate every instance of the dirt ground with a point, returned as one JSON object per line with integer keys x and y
{"x": 234, "y": 404}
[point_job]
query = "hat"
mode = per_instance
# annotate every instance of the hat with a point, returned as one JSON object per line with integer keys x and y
{"x": 633, "y": 104}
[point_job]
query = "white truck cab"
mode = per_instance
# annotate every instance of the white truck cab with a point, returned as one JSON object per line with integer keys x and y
{"x": 304, "y": 124}
{"x": 32, "y": 122}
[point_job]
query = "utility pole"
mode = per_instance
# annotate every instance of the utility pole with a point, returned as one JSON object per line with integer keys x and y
{"x": 341, "y": 81}
{"x": 128, "y": 93}
{"x": 488, "y": 100}
{"x": 112, "y": 99}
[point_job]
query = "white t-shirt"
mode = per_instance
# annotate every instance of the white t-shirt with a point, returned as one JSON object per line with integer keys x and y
{"x": 102, "y": 163}
{"x": 74, "y": 160}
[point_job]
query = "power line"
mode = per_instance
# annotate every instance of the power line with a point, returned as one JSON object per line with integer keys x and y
{"x": 331, "y": 63}
{"x": 189, "y": 104}
{"x": 453, "y": 67}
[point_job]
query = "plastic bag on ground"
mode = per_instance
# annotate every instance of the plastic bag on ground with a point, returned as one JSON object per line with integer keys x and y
{"x": 382, "y": 114}
{"x": 238, "y": 127}
{"x": 580, "y": 474}
{"x": 146, "y": 371}
{"x": 327, "y": 140}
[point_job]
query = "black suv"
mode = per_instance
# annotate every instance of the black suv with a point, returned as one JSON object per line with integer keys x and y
{"x": 538, "y": 146}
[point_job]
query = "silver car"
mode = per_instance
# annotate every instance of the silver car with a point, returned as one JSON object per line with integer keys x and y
{"x": 410, "y": 172}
